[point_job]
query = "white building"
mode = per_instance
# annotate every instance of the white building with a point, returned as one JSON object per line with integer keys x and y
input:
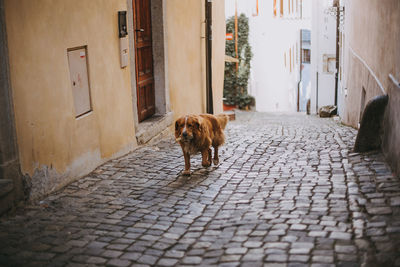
{"x": 276, "y": 43}
{"x": 323, "y": 54}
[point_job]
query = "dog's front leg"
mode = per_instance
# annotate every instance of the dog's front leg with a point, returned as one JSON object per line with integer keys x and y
{"x": 187, "y": 164}
{"x": 205, "y": 157}
{"x": 216, "y": 158}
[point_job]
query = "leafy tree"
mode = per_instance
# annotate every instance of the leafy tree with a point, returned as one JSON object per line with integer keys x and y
{"x": 236, "y": 82}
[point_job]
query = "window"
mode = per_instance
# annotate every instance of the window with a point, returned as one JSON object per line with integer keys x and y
{"x": 306, "y": 56}
{"x": 281, "y": 8}
{"x": 274, "y": 8}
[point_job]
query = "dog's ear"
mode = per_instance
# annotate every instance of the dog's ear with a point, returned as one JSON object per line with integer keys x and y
{"x": 198, "y": 124}
{"x": 176, "y": 125}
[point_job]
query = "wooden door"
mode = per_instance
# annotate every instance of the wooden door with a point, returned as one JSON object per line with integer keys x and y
{"x": 144, "y": 59}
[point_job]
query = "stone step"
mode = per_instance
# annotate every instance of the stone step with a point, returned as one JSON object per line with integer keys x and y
{"x": 6, "y": 186}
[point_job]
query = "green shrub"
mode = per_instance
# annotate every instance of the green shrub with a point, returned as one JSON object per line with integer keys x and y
{"x": 236, "y": 82}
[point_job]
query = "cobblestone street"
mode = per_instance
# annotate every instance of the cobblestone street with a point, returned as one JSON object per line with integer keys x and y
{"x": 288, "y": 192}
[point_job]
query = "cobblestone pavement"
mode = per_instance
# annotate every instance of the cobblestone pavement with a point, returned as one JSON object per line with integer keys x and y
{"x": 288, "y": 192}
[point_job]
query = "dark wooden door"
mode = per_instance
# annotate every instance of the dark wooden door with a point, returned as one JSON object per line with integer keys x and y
{"x": 144, "y": 59}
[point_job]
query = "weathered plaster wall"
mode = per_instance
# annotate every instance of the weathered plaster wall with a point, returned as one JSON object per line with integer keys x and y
{"x": 185, "y": 56}
{"x": 185, "y": 30}
{"x": 218, "y": 53}
{"x": 55, "y": 147}
{"x": 11, "y": 184}
{"x": 391, "y": 135}
{"x": 372, "y": 29}
{"x": 323, "y": 40}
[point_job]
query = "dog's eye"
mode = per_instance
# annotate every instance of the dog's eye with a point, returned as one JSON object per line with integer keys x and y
{"x": 190, "y": 125}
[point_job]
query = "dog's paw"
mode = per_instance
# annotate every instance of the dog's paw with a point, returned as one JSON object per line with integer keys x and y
{"x": 216, "y": 162}
{"x": 206, "y": 164}
{"x": 186, "y": 172}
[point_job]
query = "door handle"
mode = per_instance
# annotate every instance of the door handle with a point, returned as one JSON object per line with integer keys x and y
{"x": 139, "y": 30}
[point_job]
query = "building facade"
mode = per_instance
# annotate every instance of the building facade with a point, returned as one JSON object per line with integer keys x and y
{"x": 323, "y": 55}
{"x": 275, "y": 39}
{"x": 367, "y": 37}
{"x": 370, "y": 66}
{"x": 82, "y": 87}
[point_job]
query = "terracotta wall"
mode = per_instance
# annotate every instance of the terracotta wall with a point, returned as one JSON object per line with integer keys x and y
{"x": 54, "y": 146}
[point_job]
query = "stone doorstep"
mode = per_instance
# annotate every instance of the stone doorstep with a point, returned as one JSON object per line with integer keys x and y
{"x": 231, "y": 114}
{"x": 6, "y": 186}
{"x": 150, "y": 128}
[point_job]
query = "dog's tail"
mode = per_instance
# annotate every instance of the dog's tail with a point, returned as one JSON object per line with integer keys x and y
{"x": 222, "y": 119}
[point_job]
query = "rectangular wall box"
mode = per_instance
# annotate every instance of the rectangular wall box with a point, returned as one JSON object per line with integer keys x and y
{"x": 78, "y": 69}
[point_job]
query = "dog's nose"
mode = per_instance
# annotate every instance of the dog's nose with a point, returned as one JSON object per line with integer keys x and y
{"x": 184, "y": 134}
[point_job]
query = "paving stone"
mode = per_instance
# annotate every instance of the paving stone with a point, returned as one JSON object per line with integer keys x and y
{"x": 279, "y": 245}
{"x": 231, "y": 258}
{"x": 317, "y": 233}
{"x": 253, "y": 244}
{"x": 192, "y": 260}
{"x": 379, "y": 210}
{"x": 96, "y": 260}
{"x": 240, "y": 250}
{"x": 288, "y": 192}
{"x": 300, "y": 250}
{"x": 118, "y": 262}
{"x": 322, "y": 259}
{"x": 167, "y": 262}
{"x": 277, "y": 258}
{"x": 131, "y": 256}
{"x": 253, "y": 257}
{"x": 147, "y": 259}
{"x": 340, "y": 235}
{"x": 174, "y": 254}
{"x": 299, "y": 258}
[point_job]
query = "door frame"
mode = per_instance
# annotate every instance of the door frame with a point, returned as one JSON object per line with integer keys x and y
{"x": 160, "y": 70}
{"x": 10, "y": 171}
{"x": 144, "y": 82}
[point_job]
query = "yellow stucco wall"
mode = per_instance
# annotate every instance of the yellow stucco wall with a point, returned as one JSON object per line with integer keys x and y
{"x": 39, "y": 34}
{"x": 218, "y": 53}
{"x": 185, "y": 31}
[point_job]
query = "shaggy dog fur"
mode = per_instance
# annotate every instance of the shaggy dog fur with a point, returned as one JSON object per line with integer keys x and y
{"x": 197, "y": 133}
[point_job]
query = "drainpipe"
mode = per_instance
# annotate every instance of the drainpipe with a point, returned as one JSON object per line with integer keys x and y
{"x": 316, "y": 102}
{"x": 301, "y": 64}
{"x": 209, "y": 94}
{"x": 337, "y": 5}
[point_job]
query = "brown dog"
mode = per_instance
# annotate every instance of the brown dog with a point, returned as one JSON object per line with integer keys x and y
{"x": 197, "y": 133}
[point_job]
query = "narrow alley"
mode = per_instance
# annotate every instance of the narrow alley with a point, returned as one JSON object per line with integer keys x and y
{"x": 288, "y": 192}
